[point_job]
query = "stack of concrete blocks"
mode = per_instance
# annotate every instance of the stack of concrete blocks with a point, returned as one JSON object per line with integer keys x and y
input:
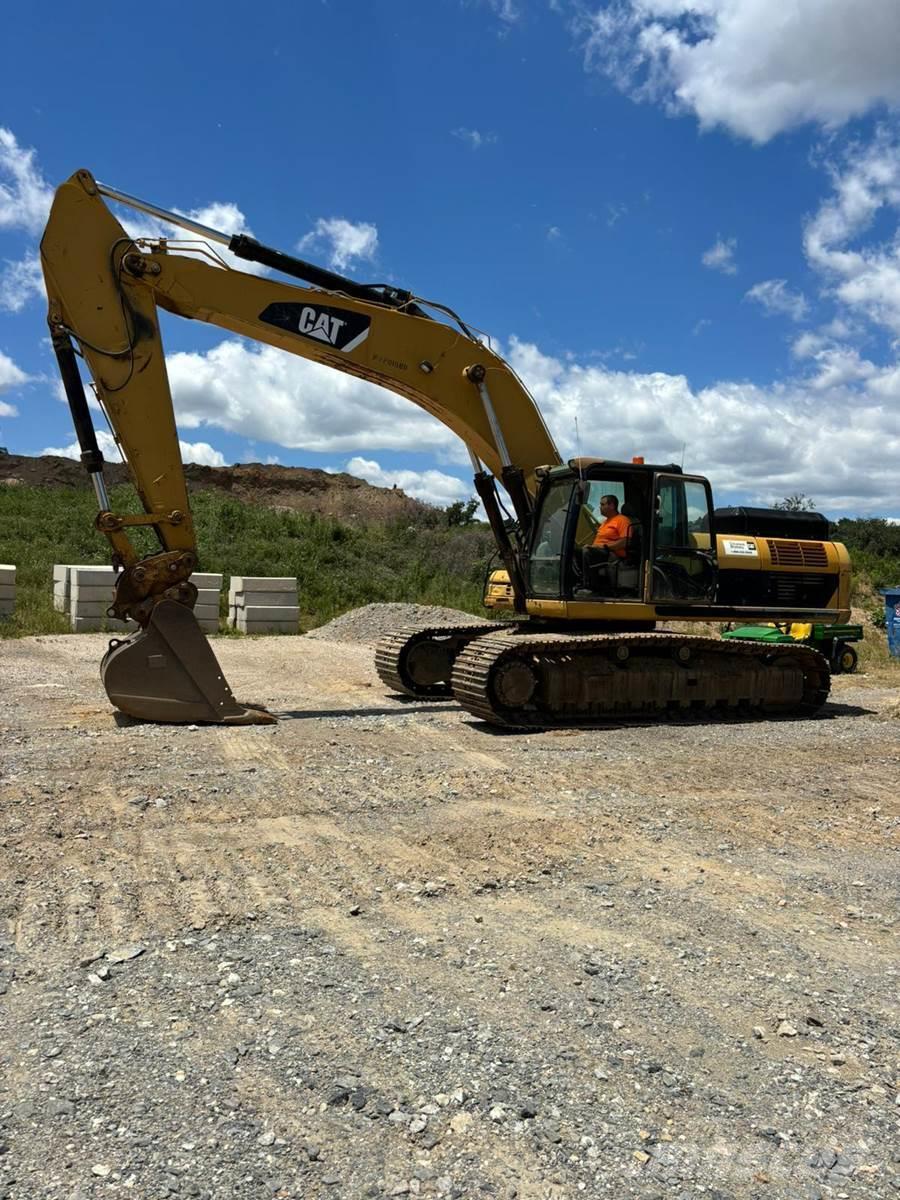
{"x": 261, "y": 604}
{"x": 61, "y": 585}
{"x": 7, "y": 590}
{"x": 206, "y": 610}
{"x": 85, "y": 592}
{"x": 91, "y": 592}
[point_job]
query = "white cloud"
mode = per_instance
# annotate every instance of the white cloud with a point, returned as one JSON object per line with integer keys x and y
{"x": 765, "y": 442}
{"x": 25, "y": 195}
{"x": 267, "y": 395}
{"x": 191, "y": 452}
{"x": 344, "y": 241}
{"x": 432, "y": 487}
{"x": 807, "y": 345}
{"x": 20, "y": 282}
{"x": 11, "y": 376}
{"x": 865, "y": 279}
{"x": 757, "y": 67}
{"x": 506, "y": 11}
{"x": 474, "y": 137}
{"x": 202, "y": 453}
{"x": 720, "y": 256}
{"x": 554, "y": 233}
{"x": 778, "y": 300}
{"x": 108, "y": 448}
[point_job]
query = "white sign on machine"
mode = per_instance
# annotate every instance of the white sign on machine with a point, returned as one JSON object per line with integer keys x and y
{"x": 743, "y": 546}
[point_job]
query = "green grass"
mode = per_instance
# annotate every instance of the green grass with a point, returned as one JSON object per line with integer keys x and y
{"x": 338, "y": 566}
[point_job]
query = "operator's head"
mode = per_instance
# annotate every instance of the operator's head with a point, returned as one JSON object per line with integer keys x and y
{"x": 609, "y": 506}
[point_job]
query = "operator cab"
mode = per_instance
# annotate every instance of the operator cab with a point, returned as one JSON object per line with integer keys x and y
{"x": 669, "y": 548}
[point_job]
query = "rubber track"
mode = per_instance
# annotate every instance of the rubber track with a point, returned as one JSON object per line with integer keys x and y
{"x": 392, "y": 647}
{"x": 473, "y": 667}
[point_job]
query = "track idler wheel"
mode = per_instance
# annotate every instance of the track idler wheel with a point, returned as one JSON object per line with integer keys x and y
{"x": 168, "y": 672}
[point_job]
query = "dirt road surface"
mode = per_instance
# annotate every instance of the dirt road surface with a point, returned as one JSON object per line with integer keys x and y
{"x": 380, "y": 950}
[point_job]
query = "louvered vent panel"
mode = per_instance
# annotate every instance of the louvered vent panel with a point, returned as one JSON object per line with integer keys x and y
{"x": 797, "y": 554}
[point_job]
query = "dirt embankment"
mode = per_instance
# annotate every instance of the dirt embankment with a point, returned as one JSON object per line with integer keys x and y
{"x": 302, "y": 489}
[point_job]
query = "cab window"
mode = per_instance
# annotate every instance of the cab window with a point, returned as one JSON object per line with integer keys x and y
{"x": 545, "y": 561}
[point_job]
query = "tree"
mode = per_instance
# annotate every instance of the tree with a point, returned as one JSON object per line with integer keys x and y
{"x": 461, "y": 512}
{"x": 799, "y": 502}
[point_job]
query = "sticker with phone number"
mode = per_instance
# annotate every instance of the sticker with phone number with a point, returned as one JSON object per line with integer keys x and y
{"x": 740, "y": 547}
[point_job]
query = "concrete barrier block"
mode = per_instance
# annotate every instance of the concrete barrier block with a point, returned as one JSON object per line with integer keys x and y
{"x": 260, "y": 583}
{"x": 270, "y": 612}
{"x": 7, "y": 591}
{"x": 64, "y": 580}
{"x": 208, "y": 596}
{"x": 90, "y": 608}
{"x": 266, "y": 599}
{"x": 7, "y": 575}
{"x": 91, "y": 577}
{"x": 81, "y": 593}
{"x": 95, "y": 624}
{"x": 266, "y": 626}
{"x": 210, "y": 625}
{"x": 206, "y": 612}
{"x": 207, "y": 579}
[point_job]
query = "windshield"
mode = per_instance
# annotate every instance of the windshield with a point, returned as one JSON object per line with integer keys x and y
{"x": 545, "y": 562}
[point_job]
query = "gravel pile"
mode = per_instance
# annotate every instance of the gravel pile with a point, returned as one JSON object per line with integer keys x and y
{"x": 372, "y": 621}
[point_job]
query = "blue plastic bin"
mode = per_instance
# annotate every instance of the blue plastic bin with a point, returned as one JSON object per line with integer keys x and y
{"x": 892, "y": 618}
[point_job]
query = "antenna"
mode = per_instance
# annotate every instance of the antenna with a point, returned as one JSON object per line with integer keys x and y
{"x": 683, "y": 448}
{"x": 578, "y": 450}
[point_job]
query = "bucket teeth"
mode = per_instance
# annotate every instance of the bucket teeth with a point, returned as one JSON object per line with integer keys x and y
{"x": 168, "y": 672}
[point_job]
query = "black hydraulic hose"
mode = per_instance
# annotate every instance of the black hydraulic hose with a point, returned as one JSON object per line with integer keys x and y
{"x": 514, "y": 482}
{"x": 487, "y": 490}
{"x": 251, "y": 250}
{"x": 91, "y": 455}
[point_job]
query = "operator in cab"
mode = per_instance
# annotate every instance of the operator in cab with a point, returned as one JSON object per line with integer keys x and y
{"x": 612, "y": 535}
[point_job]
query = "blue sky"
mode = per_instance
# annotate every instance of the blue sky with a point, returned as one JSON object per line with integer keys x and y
{"x": 677, "y": 218}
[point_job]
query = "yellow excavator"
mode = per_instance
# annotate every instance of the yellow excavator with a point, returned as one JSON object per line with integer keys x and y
{"x": 586, "y": 643}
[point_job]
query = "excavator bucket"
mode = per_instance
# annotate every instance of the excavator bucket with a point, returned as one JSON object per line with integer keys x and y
{"x": 168, "y": 672}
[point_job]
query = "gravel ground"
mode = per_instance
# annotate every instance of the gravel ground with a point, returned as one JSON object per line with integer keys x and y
{"x": 382, "y": 950}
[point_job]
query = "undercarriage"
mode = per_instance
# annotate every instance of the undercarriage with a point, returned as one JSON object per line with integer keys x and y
{"x": 519, "y": 676}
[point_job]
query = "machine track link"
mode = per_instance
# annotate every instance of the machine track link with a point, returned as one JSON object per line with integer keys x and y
{"x": 418, "y": 662}
{"x": 529, "y": 681}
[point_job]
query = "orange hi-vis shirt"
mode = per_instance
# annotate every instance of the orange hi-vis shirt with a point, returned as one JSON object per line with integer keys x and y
{"x": 612, "y": 530}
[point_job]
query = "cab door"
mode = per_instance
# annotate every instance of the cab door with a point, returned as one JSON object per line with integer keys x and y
{"x": 682, "y": 561}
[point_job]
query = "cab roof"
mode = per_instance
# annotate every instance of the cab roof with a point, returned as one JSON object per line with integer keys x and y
{"x": 594, "y": 467}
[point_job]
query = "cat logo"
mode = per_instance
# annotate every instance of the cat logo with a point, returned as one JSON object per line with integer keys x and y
{"x": 319, "y": 325}
{"x": 337, "y": 327}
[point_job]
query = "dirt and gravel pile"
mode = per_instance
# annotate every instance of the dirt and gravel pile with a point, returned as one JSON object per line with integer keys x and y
{"x": 381, "y": 950}
{"x": 300, "y": 489}
{"x": 372, "y": 621}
